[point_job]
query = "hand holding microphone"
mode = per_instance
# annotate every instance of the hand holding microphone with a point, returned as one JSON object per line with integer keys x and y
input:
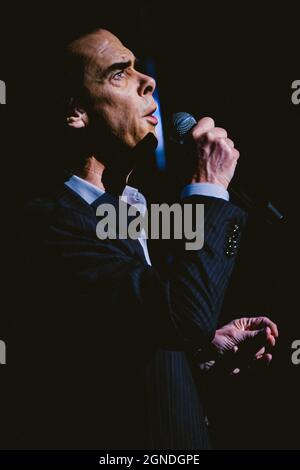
{"x": 213, "y": 159}
{"x": 217, "y": 156}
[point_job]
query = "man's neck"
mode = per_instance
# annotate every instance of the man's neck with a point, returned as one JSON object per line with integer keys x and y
{"x": 96, "y": 173}
{"x": 92, "y": 172}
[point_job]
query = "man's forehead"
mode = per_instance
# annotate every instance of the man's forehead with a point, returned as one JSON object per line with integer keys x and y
{"x": 102, "y": 48}
{"x": 109, "y": 52}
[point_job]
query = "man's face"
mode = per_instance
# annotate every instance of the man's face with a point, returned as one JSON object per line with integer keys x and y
{"x": 120, "y": 95}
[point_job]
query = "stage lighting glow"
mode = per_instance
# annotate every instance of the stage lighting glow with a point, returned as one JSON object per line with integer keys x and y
{"x": 160, "y": 150}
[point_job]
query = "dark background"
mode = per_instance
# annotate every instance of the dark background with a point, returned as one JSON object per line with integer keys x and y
{"x": 232, "y": 61}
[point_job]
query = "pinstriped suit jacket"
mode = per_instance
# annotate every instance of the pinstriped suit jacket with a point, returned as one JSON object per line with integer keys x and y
{"x": 110, "y": 338}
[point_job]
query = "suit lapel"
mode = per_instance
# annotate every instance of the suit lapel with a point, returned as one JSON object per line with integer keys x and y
{"x": 69, "y": 199}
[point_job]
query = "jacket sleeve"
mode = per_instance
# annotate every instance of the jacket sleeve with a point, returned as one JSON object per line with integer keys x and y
{"x": 178, "y": 311}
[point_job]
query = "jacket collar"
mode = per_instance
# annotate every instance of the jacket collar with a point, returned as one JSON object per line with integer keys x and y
{"x": 69, "y": 199}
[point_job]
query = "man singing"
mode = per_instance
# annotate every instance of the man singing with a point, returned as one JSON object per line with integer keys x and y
{"x": 115, "y": 346}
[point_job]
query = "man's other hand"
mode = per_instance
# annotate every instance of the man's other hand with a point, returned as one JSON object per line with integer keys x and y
{"x": 242, "y": 343}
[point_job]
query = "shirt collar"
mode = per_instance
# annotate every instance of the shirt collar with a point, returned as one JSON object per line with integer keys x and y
{"x": 89, "y": 192}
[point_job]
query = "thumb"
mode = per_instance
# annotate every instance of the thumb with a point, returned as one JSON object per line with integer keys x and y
{"x": 253, "y": 341}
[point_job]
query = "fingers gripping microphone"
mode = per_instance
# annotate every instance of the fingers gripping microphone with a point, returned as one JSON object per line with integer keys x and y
{"x": 181, "y": 125}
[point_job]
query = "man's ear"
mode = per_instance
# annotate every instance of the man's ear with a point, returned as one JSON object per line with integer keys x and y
{"x": 77, "y": 116}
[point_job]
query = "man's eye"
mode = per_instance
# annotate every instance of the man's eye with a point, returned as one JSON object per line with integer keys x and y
{"x": 119, "y": 75}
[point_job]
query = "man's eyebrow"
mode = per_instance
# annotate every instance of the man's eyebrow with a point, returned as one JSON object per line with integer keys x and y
{"x": 120, "y": 66}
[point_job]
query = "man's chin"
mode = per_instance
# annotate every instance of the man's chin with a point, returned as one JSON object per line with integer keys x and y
{"x": 149, "y": 142}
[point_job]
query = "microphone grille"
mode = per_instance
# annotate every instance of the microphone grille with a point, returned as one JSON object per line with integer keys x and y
{"x": 182, "y": 123}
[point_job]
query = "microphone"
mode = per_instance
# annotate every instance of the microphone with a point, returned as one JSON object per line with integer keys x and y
{"x": 181, "y": 125}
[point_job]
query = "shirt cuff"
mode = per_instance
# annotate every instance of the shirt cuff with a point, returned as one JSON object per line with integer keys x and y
{"x": 205, "y": 189}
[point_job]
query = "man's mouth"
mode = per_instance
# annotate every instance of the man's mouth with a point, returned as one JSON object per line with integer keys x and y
{"x": 151, "y": 118}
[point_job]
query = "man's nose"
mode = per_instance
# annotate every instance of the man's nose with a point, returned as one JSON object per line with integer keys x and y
{"x": 146, "y": 85}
